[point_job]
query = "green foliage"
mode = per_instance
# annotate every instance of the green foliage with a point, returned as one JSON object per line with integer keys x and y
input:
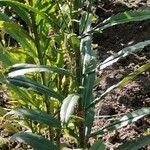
{"x": 51, "y": 71}
{"x": 38, "y": 116}
{"x": 68, "y": 106}
{"x": 37, "y": 142}
{"x": 125, "y": 120}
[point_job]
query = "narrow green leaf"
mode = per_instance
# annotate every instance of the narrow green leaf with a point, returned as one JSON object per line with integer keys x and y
{"x": 68, "y": 106}
{"x": 89, "y": 65}
{"x": 37, "y": 142}
{"x": 89, "y": 118}
{"x": 122, "y": 83}
{"x": 5, "y": 57}
{"x": 123, "y": 53}
{"x": 132, "y": 75}
{"x": 135, "y": 144}
{"x": 4, "y": 17}
{"x": 88, "y": 85}
{"x": 125, "y": 120}
{"x": 23, "y": 95}
{"x": 21, "y": 69}
{"x": 124, "y": 17}
{"x": 98, "y": 145}
{"x": 84, "y": 25}
{"x": 39, "y": 116}
{"x": 25, "y": 6}
{"x": 21, "y": 12}
{"x": 20, "y": 35}
{"x": 35, "y": 86}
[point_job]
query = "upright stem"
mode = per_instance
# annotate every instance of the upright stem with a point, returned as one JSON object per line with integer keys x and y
{"x": 40, "y": 57}
{"x": 79, "y": 84}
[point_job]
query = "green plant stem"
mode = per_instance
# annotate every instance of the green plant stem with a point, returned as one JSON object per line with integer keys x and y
{"x": 37, "y": 40}
{"x": 40, "y": 57}
{"x": 79, "y": 84}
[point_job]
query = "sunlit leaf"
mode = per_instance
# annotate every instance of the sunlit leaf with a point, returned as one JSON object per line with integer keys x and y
{"x": 39, "y": 116}
{"x": 132, "y": 75}
{"x": 124, "y": 17}
{"x": 25, "y": 6}
{"x": 21, "y": 69}
{"x": 37, "y": 142}
{"x": 68, "y": 106}
{"x": 5, "y": 57}
{"x": 125, "y": 120}
{"x": 20, "y": 35}
{"x": 10, "y": 128}
{"x": 122, "y": 83}
{"x": 123, "y": 53}
{"x": 35, "y": 86}
{"x": 19, "y": 11}
{"x": 85, "y": 23}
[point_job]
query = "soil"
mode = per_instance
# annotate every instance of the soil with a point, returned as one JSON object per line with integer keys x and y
{"x": 135, "y": 94}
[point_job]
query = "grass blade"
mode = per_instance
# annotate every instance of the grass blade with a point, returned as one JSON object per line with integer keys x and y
{"x": 124, "y": 17}
{"x": 123, "y": 53}
{"x": 125, "y": 120}
{"x": 29, "y": 8}
{"x": 4, "y": 17}
{"x": 39, "y": 116}
{"x": 89, "y": 118}
{"x": 35, "y": 86}
{"x": 5, "y": 57}
{"x": 21, "y": 69}
{"x": 37, "y": 142}
{"x": 122, "y": 83}
{"x": 20, "y": 35}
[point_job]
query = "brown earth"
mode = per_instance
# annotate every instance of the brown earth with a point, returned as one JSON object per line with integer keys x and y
{"x": 135, "y": 94}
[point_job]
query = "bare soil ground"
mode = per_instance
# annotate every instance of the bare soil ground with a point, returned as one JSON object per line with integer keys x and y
{"x": 134, "y": 95}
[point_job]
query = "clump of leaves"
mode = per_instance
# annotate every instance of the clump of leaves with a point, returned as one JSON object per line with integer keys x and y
{"x": 52, "y": 71}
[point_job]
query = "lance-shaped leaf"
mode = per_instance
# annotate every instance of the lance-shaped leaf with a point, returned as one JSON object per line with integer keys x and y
{"x": 68, "y": 106}
{"x": 135, "y": 144}
{"x": 89, "y": 65}
{"x": 20, "y": 35}
{"x": 124, "y": 121}
{"x": 123, "y": 53}
{"x": 4, "y": 17}
{"x": 19, "y": 11}
{"x": 89, "y": 118}
{"x": 124, "y": 17}
{"x": 5, "y": 57}
{"x": 21, "y": 69}
{"x": 35, "y": 86}
{"x": 98, "y": 145}
{"x": 39, "y": 116}
{"x": 35, "y": 141}
{"x": 122, "y": 83}
{"x": 22, "y": 6}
